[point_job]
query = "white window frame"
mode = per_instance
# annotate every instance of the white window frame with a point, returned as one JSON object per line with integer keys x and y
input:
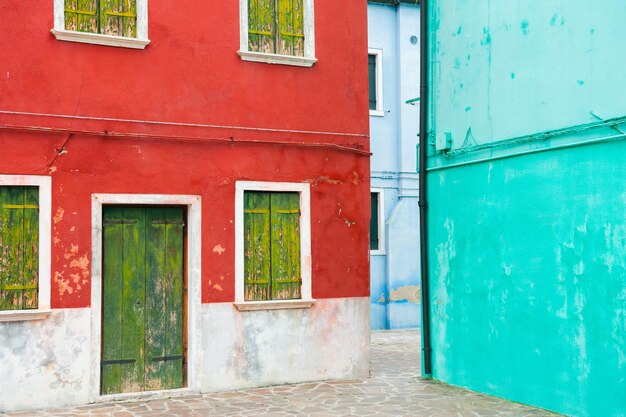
{"x": 304, "y": 191}
{"x": 379, "y": 110}
{"x": 309, "y": 40}
{"x": 45, "y": 237}
{"x": 139, "y": 42}
{"x": 381, "y": 222}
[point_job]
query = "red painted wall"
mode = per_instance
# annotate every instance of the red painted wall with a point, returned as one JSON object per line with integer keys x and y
{"x": 191, "y": 73}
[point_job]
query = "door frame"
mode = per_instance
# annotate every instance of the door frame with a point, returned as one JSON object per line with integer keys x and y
{"x": 193, "y": 270}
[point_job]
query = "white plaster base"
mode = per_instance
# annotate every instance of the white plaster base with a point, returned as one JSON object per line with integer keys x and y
{"x": 247, "y": 349}
{"x": 45, "y": 363}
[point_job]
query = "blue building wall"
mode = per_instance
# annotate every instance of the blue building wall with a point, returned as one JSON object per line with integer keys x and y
{"x": 395, "y": 277}
{"x": 527, "y": 207}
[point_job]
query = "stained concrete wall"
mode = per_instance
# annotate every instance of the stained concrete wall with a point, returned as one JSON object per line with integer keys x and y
{"x": 394, "y": 271}
{"x": 47, "y": 363}
{"x": 328, "y": 341}
{"x": 528, "y": 208}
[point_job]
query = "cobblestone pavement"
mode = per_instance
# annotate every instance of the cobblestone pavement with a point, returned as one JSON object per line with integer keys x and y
{"x": 394, "y": 389}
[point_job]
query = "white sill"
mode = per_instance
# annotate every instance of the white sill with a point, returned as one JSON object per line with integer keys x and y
{"x": 23, "y": 315}
{"x": 98, "y": 39}
{"x": 297, "y": 61}
{"x": 377, "y": 252}
{"x": 273, "y": 305}
{"x": 377, "y": 113}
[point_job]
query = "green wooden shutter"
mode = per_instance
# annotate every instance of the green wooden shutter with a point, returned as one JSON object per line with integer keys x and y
{"x": 285, "y": 241}
{"x": 257, "y": 246}
{"x": 118, "y": 18}
{"x": 81, "y": 15}
{"x": 261, "y": 26}
{"x": 374, "y": 222}
{"x": 164, "y": 305}
{"x": 19, "y": 247}
{"x": 290, "y": 33}
{"x": 371, "y": 65}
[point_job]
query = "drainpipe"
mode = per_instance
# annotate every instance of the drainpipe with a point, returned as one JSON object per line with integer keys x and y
{"x": 423, "y": 207}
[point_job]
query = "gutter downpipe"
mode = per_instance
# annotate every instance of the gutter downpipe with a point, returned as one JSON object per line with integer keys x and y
{"x": 422, "y": 202}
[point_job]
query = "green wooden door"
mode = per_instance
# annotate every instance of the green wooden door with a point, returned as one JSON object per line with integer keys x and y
{"x": 142, "y": 321}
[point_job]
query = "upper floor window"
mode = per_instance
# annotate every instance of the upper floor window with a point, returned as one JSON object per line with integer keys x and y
{"x": 277, "y": 31}
{"x": 104, "y": 22}
{"x": 375, "y": 73}
{"x": 24, "y": 247}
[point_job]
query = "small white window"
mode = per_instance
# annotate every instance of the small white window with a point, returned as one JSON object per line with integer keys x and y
{"x": 375, "y": 73}
{"x": 272, "y": 245}
{"x": 277, "y": 32}
{"x": 122, "y": 23}
{"x": 25, "y": 236}
{"x": 377, "y": 222}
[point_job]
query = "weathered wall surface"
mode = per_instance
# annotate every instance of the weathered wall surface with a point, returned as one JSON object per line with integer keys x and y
{"x": 272, "y": 347}
{"x": 45, "y": 363}
{"x": 511, "y": 68}
{"x": 528, "y": 209}
{"x": 184, "y": 116}
{"x": 395, "y": 279}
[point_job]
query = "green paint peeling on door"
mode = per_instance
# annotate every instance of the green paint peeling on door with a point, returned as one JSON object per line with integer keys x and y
{"x": 142, "y": 327}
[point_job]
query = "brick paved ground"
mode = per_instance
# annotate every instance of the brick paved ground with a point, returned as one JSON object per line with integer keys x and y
{"x": 394, "y": 389}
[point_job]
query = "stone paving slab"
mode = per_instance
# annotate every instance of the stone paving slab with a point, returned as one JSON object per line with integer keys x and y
{"x": 394, "y": 389}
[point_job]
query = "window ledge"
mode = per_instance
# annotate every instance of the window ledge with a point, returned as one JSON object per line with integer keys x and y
{"x": 273, "y": 305}
{"x": 297, "y": 61}
{"x": 23, "y": 315}
{"x": 98, "y": 39}
{"x": 378, "y": 113}
{"x": 377, "y": 252}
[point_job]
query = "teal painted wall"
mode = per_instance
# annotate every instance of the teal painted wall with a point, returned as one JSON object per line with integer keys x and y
{"x": 527, "y": 211}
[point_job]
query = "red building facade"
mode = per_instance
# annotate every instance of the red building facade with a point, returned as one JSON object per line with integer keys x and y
{"x": 196, "y": 109}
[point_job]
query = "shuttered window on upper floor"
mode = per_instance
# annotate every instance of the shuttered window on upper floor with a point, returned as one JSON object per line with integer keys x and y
{"x": 106, "y": 17}
{"x": 371, "y": 65}
{"x": 272, "y": 269}
{"x": 19, "y": 247}
{"x": 276, "y": 27}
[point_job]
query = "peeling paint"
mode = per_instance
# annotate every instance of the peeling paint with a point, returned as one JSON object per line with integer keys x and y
{"x": 63, "y": 284}
{"x": 218, "y": 249}
{"x": 81, "y": 263}
{"x": 410, "y": 293}
{"x": 58, "y": 216}
{"x": 322, "y": 179}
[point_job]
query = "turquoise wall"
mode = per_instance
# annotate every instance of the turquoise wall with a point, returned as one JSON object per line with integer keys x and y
{"x": 527, "y": 210}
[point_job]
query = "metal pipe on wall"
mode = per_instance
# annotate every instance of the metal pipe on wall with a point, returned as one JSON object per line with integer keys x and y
{"x": 423, "y": 206}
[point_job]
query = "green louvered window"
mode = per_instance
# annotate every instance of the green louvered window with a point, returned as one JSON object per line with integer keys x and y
{"x": 371, "y": 65}
{"x": 276, "y": 27}
{"x": 374, "y": 242}
{"x": 107, "y": 17}
{"x": 272, "y": 246}
{"x": 19, "y": 247}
